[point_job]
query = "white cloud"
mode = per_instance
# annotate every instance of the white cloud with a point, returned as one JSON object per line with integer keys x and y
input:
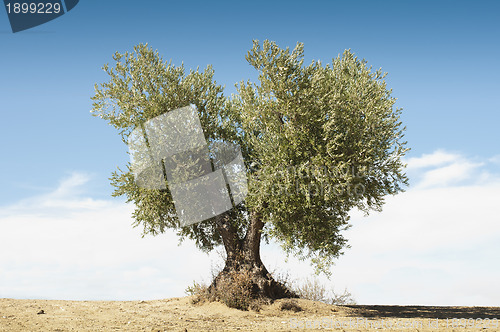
{"x": 449, "y": 174}
{"x": 436, "y": 158}
{"x": 70, "y": 185}
{"x": 495, "y": 159}
{"x": 436, "y": 244}
{"x": 442, "y": 168}
{"x": 65, "y": 198}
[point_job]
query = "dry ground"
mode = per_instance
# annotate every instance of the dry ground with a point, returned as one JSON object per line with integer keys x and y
{"x": 179, "y": 314}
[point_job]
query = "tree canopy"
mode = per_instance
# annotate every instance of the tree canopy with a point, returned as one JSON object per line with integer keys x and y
{"x": 317, "y": 141}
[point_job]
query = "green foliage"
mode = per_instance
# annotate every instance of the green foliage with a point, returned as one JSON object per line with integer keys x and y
{"x": 317, "y": 140}
{"x": 327, "y": 137}
{"x": 141, "y": 87}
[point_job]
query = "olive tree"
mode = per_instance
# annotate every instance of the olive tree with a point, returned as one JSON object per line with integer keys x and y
{"x": 317, "y": 141}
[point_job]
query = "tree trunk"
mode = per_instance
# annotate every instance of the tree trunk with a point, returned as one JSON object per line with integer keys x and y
{"x": 244, "y": 276}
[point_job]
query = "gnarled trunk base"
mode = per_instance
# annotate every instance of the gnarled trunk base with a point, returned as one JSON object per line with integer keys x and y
{"x": 243, "y": 281}
{"x": 244, "y": 277}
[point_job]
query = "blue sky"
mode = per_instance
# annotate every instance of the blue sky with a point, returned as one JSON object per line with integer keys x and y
{"x": 442, "y": 60}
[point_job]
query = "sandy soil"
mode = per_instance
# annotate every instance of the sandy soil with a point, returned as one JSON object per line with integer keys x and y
{"x": 180, "y": 314}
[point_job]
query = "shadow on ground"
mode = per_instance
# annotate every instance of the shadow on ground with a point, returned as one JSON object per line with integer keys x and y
{"x": 395, "y": 311}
